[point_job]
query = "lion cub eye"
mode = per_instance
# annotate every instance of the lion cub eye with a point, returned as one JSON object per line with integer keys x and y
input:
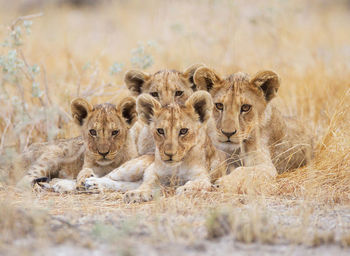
{"x": 245, "y": 107}
{"x": 179, "y": 93}
{"x": 183, "y": 131}
{"x": 93, "y": 132}
{"x": 155, "y": 94}
{"x": 160, "y": 131}
{"x": 219, "y": 106}
{"x": 115, "y": 132}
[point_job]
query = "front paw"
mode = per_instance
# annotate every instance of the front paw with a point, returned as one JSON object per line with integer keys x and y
{"x": 234, "y": 182}
{"x": 243, "y": 180}
{"x": 82, "y": 177}
{"x": 64, "y": 186}
{"x": 194, "y": 186}
{"x": 138, "y": 196}
{"x": 92, "y": 184}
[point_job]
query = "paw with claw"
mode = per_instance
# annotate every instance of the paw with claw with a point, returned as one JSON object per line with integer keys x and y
{"x": 92, "y": 183}
{"x": 82, "y": 176}
{"x": 63, "y": 186}
{"x": 243, "y": 180}
{"x": 194, "y": 186}
{"x": 138, "y": 196}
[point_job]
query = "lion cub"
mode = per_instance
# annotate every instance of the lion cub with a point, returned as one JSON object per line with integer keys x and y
{"x": 166, "y": 86}
{"x": 104, "y": 145}
{"x": 247, "y": 126}
{"x": 184, "y": 152}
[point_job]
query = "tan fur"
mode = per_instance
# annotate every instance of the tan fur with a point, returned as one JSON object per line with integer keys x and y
{"x": 189, "y": 160}
{"x": 166, "y": 86}
{"x": 126, "y": 177}
{"x": 249, "y": 128}
{"x": 95, "y": 153}
{"x": 181, "y": 142}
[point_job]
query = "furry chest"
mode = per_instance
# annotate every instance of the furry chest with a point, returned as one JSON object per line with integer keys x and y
{"x": 173, "y": 175}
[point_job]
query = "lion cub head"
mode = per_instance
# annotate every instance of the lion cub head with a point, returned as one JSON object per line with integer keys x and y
{"x": 166, "y": 86}
{"x": 176, "y": 128}
{"x": 104, "y": 127}
{"x": 241, "y": 103}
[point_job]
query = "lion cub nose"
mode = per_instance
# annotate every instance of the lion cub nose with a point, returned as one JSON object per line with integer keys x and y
{"x": 103, "y": 154}
{"x": 228, "y": 134}
{"x": 169, "y": 154}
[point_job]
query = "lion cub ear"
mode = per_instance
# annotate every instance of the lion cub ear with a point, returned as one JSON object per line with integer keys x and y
{"x": 127, "y": 108}
{"x": 268, "y": 81}
{"x": 201, "y": 103}
{"x": 205, "y": 78}
{"x": 135, "y": 81}
{"x": 146, "y": 107}
{"x": 189, "y": 73}
{"x": 80, "y": 110}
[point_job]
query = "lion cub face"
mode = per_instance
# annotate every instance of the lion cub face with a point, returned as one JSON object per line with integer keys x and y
{"x": 240, "y": 103}
{"x": 166, "y": 86}
{"x": 104, "y": 127}
{"x": 176, "y": 129}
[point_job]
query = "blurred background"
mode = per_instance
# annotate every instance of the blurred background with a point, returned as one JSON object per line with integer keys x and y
{"x": 55, "y": 50}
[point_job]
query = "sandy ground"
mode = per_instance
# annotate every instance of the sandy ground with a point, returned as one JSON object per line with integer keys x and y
{"x": 101, "y": 224}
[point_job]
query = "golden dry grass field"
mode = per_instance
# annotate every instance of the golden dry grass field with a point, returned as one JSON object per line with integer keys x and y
{"x": 63, "y": 50}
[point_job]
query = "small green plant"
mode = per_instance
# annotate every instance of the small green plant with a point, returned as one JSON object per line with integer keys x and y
{"x": 27, "y": 107}
{"x": 246, "y": 226}
{"x": 104, "y": 232}
{"x": 118, "y": 236}
{"x": 116, "y": 68}
{"x": 218, "y": 223}
{"x": 141, "y": 56}
{"x": 28, "y": 113}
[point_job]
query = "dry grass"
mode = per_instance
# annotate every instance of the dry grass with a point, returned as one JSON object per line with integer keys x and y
{"x": 307, "y": 43}
{"x": 327, "y": 178}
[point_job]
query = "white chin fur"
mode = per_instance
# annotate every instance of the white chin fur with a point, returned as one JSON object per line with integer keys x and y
{"x": 172, "y": 164}
{"x": 104, "y": 163}
{"x": 227, "y": 147}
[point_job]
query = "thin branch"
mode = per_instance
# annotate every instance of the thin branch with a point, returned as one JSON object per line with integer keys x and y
{"x": 31, "y": 76}
{"x": 93, "y": 79}
{"x": 64, "y": 113}
{"x": 77, "y": 74}
{"x": 47, "y": 93}
{"x": 22, "y": 18}
{"x": 8, "y": 123}
{"x": 21, "y": 92}
{"x": 28, "y": 137}
{"x": 2, "y": 85}
{"x": 99, "y": 89}
{"x": 26, "y": 75}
